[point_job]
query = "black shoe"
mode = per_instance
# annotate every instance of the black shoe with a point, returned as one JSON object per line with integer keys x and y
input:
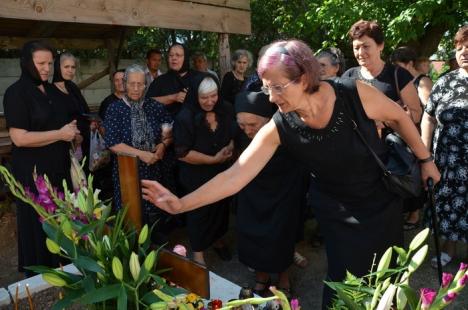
{"x": 223, "y": 253}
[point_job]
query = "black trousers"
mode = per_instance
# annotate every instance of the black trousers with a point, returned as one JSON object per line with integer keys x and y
{"x": 354, "y": 234}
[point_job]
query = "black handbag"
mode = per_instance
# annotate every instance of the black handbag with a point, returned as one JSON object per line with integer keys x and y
{"x": 402, "y": 173}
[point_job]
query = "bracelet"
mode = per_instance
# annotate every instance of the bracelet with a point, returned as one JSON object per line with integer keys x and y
{"x": 426, "y": 160}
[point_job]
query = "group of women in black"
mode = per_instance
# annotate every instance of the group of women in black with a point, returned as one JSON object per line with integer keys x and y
{"x": 311, "y": 128}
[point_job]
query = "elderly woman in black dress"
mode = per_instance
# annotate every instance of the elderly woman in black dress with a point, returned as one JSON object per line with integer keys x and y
{"x": 233, "y": 80}
{"x": 64, "y": 72}
{"x": 269, "y": 207}
{"x": 40, "y": 127}
{"x": 203, "y": 133}
{"x": 358, "y": 215}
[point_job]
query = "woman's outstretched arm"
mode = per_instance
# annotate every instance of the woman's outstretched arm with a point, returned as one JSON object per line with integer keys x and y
{"x": 225, "y": 184}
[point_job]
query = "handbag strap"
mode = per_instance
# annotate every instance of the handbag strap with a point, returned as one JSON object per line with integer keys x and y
{"x": 361, "y": 136}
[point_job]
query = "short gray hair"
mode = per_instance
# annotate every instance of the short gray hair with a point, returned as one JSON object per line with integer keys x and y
{"x": 207, "y": 85}
{"x": 133, "y": 69}
{"x": 199, "y": 55}
{"x": 241, "y": 53}
{"x": 68, "y": 55}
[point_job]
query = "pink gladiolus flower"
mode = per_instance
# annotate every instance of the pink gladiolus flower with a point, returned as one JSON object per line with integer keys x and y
{"x": 463, "y": 280}
{"x": 427, "y": 297}
{"x": 295, "y": 304}
{"x": 41, "y": 185}
{"x": 450, "y": 297}
{"x": 463, "y": 266}
{"x": 180, "y": 249}
{"x": 446, "y": 279}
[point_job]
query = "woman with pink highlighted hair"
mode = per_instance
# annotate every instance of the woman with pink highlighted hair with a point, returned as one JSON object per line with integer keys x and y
{"x": 357, "y": 214}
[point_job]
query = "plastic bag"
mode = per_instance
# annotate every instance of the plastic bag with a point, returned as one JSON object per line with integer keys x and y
{"x": 99, "y": 155}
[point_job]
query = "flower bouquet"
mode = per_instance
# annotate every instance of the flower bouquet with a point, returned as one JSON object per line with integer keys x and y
{"x": 117, "y": 267}
{"x": 388, "y": 288}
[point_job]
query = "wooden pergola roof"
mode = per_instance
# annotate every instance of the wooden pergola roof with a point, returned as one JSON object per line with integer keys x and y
{"x": 86, "y": 24}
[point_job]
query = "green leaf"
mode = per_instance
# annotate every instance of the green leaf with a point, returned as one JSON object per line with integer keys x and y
{"x": 101, "y": 294}
{"x": 402, "y": 255}
{"x": 122, "y": 300}
{"x": 87, "y": 263}
{"x": 419, "y": 239}
{"x": 69, "y": 297}
{"x": 348, "y": 301}
{"x": 411, "y": 296}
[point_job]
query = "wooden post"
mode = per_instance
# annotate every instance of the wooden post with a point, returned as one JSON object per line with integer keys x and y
{"x": 130, "y": 190}
{"x": 224, "y": 54}
{"x": 111, "y": 60}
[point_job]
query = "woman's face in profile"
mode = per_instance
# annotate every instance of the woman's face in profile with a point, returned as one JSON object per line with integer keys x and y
{"x": 461, "y": 54}
{"x": 43, "y": 62}
{"x": 208, "y": 101}
{"x": 176, "y": 58}
{"x": 327, "y": 69}
{"x": 68, "y": 69}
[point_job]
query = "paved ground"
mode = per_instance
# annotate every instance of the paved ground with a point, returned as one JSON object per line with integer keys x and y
{"x": 306, "y": 283}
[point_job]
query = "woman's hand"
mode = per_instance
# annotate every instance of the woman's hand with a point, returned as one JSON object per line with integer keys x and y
{"x": 180, "y": 96}
{"x": 160, "y": 151}
{"x": 224, "y": 154}
{"x": 69, "y": 131}
{"x": 429, "y": 170}
{"x": 148, "y": 157}
{"x": 161, "y": 197}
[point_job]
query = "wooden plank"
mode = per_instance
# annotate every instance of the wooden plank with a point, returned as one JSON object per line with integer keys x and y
{"x": 60, "y": 43}
{"x": 233, "y": 4}
{"x": 142, "y": 13}
{"x": 93, "y": 78}
{"x": 43, "y": 29}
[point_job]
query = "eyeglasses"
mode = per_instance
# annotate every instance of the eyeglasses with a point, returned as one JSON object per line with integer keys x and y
{"x": 278, "y": 89}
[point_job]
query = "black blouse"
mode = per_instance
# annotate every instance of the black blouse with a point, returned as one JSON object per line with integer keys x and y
{"x": 230, "y": 87}
{"x": 385, "y": 81}
{"x": 26, "y": 107}
{"x": 191, "y": 132}
{"x": 171, "y": 83}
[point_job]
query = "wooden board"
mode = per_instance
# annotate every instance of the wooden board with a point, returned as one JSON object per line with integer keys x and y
{"x": 130, "y": 190}
{"x": 185, "y": 273}
{"x": 204, "y": 15}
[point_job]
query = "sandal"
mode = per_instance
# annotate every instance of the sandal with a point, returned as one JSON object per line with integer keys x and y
{"x": 300, "y": 260}
{"x": 444, "y": 260}
{"x": 263, "y": 292}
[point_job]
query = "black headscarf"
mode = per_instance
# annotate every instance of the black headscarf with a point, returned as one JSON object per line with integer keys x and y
{"x": 28, "y": 69}
{"x": 57, "y": 71}
{"x": 254, "y": 102}
{"x": 191, "y": 102}
{"x": 186, "y": 65}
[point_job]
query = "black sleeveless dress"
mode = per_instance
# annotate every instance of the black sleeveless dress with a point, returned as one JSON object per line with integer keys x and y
{"x": 356, "y": 214}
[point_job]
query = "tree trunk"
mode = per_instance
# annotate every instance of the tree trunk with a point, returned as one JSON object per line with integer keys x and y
{"x": 427, "y": 44}
{"x": 224, "y": 54}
